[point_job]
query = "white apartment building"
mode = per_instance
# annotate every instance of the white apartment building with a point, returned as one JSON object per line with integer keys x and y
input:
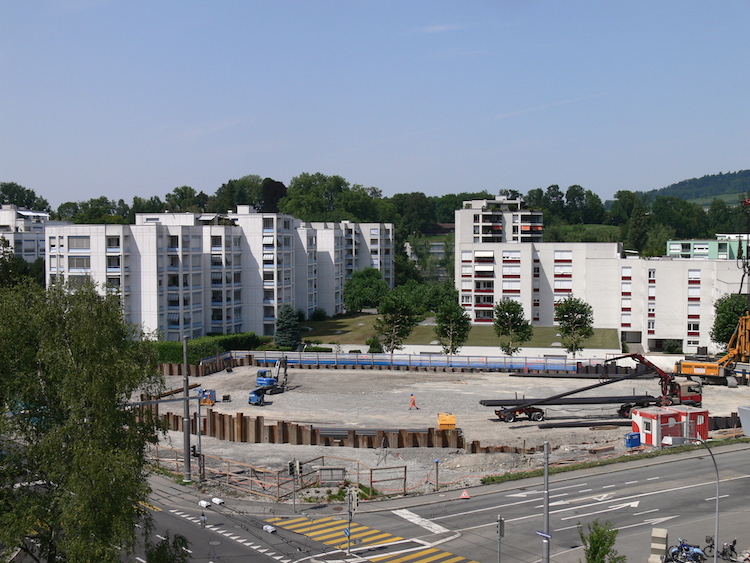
{"x": 24, "y": 231}
{"x": 647, "y": 301}
{"x": 194, "y": 274}
{"x": 500, "y": 220}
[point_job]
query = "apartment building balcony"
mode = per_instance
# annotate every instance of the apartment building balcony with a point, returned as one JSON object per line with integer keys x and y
{"x": 492, "y": 229}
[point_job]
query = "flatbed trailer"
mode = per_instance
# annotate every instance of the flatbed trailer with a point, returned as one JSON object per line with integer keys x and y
{"x": 513, "y": 408}
{"x": 687, "y": 393}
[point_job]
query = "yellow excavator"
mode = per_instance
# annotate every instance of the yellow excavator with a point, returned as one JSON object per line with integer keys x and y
{"x": 721, "y": 371}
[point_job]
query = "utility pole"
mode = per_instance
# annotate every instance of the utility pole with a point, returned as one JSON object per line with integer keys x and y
{"x": 437, "y": 475}
{"x": 186, "y": 411}
{"x": 545, "y": 526}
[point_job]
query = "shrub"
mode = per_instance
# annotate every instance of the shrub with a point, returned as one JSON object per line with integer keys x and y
{"x": 205, "y": 346}
{"x": 319, "y": 315}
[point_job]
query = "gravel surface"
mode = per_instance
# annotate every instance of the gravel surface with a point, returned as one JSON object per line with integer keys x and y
{"x": 379, "y": 399}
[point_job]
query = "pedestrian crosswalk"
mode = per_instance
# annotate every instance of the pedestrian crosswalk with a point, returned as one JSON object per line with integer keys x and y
{"x": 333, "y": 531}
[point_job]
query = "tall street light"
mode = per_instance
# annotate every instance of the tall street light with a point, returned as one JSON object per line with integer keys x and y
{"x": 716, "y": 519}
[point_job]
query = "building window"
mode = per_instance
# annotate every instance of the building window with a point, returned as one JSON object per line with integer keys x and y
{"x": 173, "y": 243}
{"x": 511, "y": 254}
{"x": 565, "y": 270}
{"x": 215, "y": 241}
{"x": 511, "y": 270}
{"x": 651, "y": 324}
{"x": 694, "y": 292}
{"x": 627, "y": 272}
{"x": 173, "y": 319}
{"x": 693, "y": 327}
{"x": 563, "y": 254}
{"x": 625, "y": 319}
{"x": 113, "y": 242}
{"x": 652, "y": 275}
{"x": 79, "y": 262}
{"x": 79, "y": 243}
{"x": 694, "y": 275}
{"x": 626, "y": 303}
{"x": 466, "y": 299}
{"x": 626, "y": 288}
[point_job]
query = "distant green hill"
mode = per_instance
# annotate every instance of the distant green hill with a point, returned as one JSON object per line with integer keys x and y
{"x": 727, "y": 186}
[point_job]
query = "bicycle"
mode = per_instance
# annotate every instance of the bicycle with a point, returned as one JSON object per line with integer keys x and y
{"x": 728, "y": 551}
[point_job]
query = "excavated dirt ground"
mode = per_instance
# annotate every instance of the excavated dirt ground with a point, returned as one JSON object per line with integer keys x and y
{"x": 376, "y": 399}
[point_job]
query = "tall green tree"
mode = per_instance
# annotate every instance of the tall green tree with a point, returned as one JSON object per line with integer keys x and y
{"x": 244, "y": 191}
{"x": 687, "y": 219}
{"x": 397, "y": 317}
{"x": 576, "y": 319}
{"x": 313, "y": 197}
{"x": 427, "y": 262}
{"x": 14, "y": 194}
{"x": 364, "y": 289}
{"x": 727, "y": 312}
{"x": 287, "y": 327}
{"x": 185, "y": 199}
{"x": 599, "y": 543}
{"x": 168, "y": 550}
{"x": 452, "y": 326}
{"x": 511, "y": 326}
{"x": 15, "y": 270}
{"x": 73, "y": 478}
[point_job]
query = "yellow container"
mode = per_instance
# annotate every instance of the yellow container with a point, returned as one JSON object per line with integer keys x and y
{"x": 446, "y": 421}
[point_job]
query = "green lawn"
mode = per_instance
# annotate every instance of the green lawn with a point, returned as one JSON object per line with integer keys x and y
{"x": 355, "y": 329}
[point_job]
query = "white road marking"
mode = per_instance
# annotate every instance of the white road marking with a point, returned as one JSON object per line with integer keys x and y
{"x": 428, "y": 525}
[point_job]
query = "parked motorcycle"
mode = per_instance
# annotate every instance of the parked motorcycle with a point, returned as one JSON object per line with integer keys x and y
{"x": 683, "y": 552}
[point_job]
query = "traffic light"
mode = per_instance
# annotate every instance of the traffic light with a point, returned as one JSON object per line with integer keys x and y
{"x": 193, "y": 451}
{"x": 353, "y": 497}
{"x": 292, "y": 468}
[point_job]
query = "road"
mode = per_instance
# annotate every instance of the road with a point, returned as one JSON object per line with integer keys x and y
{"x": 674, "y": 492}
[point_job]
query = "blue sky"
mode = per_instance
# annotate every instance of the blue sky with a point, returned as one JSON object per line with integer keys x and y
{"x": 134, "y": 98}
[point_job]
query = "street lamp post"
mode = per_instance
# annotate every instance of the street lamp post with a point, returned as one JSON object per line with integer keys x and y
{"x": 186, "y": 411}
{"x": 716, "y": 517}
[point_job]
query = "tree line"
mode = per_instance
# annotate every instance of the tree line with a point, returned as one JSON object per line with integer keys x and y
{"x": 642, "y": 221}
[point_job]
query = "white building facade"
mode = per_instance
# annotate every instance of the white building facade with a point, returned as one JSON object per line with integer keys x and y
{"x": 24, "y": 231}
{"x": 191, "y": 274}
{"x": 649, "y": 301}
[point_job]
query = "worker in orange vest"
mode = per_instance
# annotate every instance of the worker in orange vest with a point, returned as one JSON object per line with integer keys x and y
{"x": 413, "y": 402}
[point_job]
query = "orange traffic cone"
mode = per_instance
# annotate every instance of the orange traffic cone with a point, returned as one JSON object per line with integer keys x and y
{"x": 465, "y": 494}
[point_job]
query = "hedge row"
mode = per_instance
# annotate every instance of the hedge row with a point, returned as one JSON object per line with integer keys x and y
{"x": 206, "y": 346}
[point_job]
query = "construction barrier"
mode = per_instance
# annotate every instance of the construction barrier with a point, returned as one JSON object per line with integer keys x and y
{"x": 253, "y": 429}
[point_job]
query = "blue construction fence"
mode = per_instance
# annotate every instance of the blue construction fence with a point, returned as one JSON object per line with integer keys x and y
{"x": 409, "y": 361}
